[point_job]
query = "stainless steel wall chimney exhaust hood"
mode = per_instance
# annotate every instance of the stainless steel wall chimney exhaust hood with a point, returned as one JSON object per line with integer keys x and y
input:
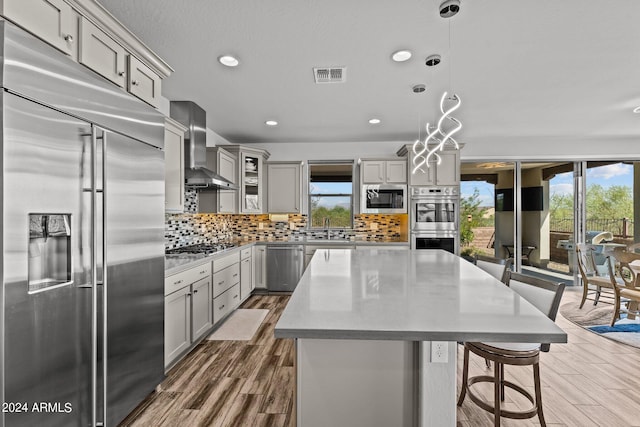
{"x": 196, "y": 173}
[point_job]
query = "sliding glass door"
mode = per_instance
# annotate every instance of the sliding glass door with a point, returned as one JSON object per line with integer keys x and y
{"x": 486, "y": 208}
{"x": 536, "y": 212}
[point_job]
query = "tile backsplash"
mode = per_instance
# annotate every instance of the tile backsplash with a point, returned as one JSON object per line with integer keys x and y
{"x": 192, "y": 228}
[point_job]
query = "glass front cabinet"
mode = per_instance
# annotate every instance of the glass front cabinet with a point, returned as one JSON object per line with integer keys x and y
{"x": 251, "y": 177}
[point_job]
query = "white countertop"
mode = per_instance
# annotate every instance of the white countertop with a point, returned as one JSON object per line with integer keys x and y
{"x": 424, "y": 295}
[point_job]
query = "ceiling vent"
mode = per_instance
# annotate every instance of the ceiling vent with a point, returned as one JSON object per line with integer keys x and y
{"x": 330, "y": 74}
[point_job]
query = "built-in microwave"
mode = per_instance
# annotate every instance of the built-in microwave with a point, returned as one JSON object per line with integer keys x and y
{"x": 383, "y": 199}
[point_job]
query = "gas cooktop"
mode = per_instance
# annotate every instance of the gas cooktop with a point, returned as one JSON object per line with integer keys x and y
{"x": 202, "y": 248}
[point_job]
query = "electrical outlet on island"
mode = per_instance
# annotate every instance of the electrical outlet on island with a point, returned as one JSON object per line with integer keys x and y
{"x": 261, "y": 226}
{"x": 373, "y": 226}
{"x": 439, "y": 352}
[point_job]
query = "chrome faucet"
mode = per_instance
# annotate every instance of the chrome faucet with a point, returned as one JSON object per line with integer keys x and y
{"x": 327, "y": 226}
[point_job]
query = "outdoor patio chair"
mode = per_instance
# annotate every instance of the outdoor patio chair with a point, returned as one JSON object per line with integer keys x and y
{"x": 592, "y": 282}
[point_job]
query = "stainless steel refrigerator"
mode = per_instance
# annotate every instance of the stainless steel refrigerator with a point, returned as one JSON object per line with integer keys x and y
{"x": 81, "y": 322}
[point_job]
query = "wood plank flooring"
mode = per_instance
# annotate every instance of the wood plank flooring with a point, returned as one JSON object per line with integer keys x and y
{"x": 228, "y": 383}
{"x": 591, "y": 381}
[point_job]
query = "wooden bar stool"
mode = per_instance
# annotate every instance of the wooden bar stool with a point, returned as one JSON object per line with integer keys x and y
{"x": 545, "y": 296}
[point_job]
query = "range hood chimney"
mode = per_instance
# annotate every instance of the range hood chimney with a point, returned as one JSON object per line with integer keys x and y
{"x": 196, "y": 174}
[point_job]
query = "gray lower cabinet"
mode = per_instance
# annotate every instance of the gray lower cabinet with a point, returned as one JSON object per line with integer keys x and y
{"x": 226, "y": 285}
{"x": 188, "y": 311}
{"x": 260, "y": 267}
{"x": 226, "y": 302}
{"x": 177, "y": 324}
{"x": 201, "y": 304}
{"x": 246, "y": 276}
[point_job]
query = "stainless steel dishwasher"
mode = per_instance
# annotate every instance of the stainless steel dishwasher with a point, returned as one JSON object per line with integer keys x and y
{"x": 285, "y": 264}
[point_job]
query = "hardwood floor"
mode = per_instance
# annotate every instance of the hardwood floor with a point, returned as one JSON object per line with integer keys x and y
{"x": 587, "y": 382}
{"x": 228, "y": 383}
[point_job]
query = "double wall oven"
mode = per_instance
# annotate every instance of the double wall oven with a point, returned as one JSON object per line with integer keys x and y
{"x": 434, "y": 217}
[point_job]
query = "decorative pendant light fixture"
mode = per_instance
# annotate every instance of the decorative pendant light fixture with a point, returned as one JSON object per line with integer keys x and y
{"x": 426, "y": 152}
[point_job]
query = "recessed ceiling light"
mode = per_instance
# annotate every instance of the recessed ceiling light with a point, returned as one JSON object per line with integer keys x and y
{"x": 448, "y": 8}
{"x": 636, "y": 110}
{"x": 401, "y": 55}
{"x": 374, "y": 121}
{"x": 271, "y": 123}
{"x": 419, "y": 88}
{"x": 228, "y": 60}
{"x": 432, "y": 60}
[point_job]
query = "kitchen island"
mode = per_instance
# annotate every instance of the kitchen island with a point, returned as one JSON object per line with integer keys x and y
{"x": 377, "y": 330}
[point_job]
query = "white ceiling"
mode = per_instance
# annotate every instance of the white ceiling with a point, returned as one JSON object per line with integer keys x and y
{"x": 526, "y": 70}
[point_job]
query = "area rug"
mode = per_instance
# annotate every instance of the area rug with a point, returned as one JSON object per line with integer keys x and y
{"x": 597, "y": 319}
{"x": 241, "y": 325}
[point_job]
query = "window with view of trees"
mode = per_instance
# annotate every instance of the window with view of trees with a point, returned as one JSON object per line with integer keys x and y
{"x": 331, "y": 195}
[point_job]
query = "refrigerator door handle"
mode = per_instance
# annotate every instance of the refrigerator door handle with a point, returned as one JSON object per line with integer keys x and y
{"x": 97, "y": 235}
{"x": 94, "y": 278}
{"x": 104, "y": 276}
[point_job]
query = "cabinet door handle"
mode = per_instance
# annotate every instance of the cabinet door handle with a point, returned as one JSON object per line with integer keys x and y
{"x": 203, "y": 271}
{"x": 221, "y": 307}
{"x": 188, "y": 294}
{"x": 68, "y": 38}
{"x": 235, "y": 275}
{"x": 235, "y": 296}
{"x": 195, "y": 291}
{"x": 135, "y": 83}
{"x": 221, "y": 283}
{"x": 121, "y": 73}
{"x": 178, "y": 282}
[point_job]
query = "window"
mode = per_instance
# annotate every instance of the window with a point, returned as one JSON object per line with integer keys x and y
{"x": 331, "y": 195}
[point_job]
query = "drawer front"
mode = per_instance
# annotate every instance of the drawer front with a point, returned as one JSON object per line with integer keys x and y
{"x": 226, "y": 278}
{"x": 245, "y": 253}
{"x": 225, "y": 303}
{"x": 143, "y": 83}
{"x": 177, "y": 281}
{"x": 225, "y": 261}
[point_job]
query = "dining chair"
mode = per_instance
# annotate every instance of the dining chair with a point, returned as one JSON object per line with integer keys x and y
{"x": 633, "y": 248}
{"x": 545, "y": 296}
{"x": 592, "y": 282}
{"x": 497, "y": 267}
{"x": 628, "y": 287}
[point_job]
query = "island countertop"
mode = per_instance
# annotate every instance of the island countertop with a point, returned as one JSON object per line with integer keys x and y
{"x": 424, "y": 295}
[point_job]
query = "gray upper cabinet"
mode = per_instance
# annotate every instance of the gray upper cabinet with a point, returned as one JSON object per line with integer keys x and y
{"x": 250, "y": 177}
{"x": 227, "y": 168}
{"x": 89, "y": 34}
{"x": 383, "y": 171}
{"x": 102, "y": 54}
{"x": 396, "y": 172}
{"x": 220, "y": 201}
{"x": 372, "y": 171}
{"x": 143, "y": 82}
{"x": 108, "y": 58}
{"x": 54, "y": 21}
{"x": 446, "y": 173}
{"x": 284, "y": 187}
{"x": 174, "y": 166}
